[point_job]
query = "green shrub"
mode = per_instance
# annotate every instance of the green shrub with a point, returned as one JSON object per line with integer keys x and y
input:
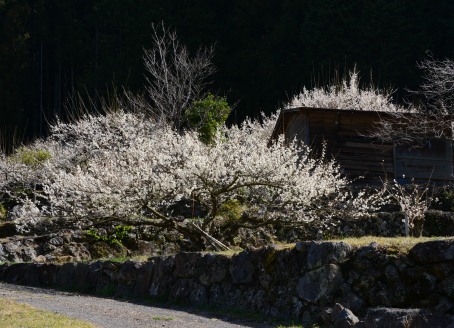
{"x": 445, "y": 200}
{"x": 207, "y": 115}
{"x": 231, "y": 210}
{"x": 121, "y": 232}
{"x": 119, "y": 236}
{"x": 32, "y": 157}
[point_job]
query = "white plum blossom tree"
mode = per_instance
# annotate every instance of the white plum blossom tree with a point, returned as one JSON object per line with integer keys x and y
{"x": 414, "y": 200}
{"x": 125, "y": 167}
{"x": 347, "y": 95}
{"x": 411, "y": 125}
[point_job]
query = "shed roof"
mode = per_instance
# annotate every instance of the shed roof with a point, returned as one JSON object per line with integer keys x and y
{"x": 394, "y": 117}
{"x": 281, "y": 122}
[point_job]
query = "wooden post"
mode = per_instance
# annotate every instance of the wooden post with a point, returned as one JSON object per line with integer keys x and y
{"x": 407, "y": 228}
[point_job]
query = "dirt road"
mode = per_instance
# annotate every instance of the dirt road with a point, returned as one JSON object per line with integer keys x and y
{"x": 109, "y": 313}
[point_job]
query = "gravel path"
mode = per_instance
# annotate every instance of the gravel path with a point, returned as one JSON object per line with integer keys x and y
{"x": 109, "y": 313}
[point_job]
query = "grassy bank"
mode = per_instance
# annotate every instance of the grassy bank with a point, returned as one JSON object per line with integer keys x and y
{"x": 403, "y": 244}
{"x": 17, "y": 315}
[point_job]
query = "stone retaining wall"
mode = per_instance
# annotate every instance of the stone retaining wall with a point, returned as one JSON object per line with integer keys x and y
{"x": 53, "y": 243}
{"x": 325, "y": 282}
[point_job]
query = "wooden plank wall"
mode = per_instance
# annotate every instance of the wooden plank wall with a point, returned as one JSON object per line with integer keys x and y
{"x": 323, "y": 131}
{"x": 433, "y": 161}
{"x": 361, "y": 155}
{"x": 295, "y": 126}
{"x": 345, "y": 135}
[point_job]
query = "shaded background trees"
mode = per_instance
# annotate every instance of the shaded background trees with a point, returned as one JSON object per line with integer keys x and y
{"x": 265, "y": 50}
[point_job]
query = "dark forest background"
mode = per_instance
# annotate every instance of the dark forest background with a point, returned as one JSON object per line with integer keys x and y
{"x": 266, "y": 50}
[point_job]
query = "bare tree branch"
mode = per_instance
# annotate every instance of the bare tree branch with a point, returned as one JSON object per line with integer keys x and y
{"x": 433, "y": 118}
{"x": 174, "y": 78}
{"x": 413, "y": 128}
{"x": 437, "y": 88}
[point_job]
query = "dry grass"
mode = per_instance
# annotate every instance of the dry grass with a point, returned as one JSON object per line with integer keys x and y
{"x": 138, "y": 258}
{"x": 402, "y": 244}
{"x": 399, "y": 245}
{"x": 16, "y": 315}
{"x": 229, "y": 253}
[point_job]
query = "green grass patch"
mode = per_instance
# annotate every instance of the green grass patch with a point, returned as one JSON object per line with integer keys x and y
{"x": 17, "y": 315}
{"x": 158, "y": 318}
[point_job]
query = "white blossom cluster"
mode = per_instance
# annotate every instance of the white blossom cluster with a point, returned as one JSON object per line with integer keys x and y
{"x": 20, "y": 180}
{"x": 414, "y": 201}
{"x": 124, "y": 166}
{"x": 347, "y": 95}
{"x": 14, "y": 172}
{"x": 154, "y": 170}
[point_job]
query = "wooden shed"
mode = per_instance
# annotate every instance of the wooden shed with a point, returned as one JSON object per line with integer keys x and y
{"x": 345, "y": 133}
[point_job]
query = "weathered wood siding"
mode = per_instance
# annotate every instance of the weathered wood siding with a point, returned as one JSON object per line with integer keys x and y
{"x": 295, "y": 126}
{"x": 345, "y": 134}
{"x": 360, "y": 155}
{"x": 433, "y": 161}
